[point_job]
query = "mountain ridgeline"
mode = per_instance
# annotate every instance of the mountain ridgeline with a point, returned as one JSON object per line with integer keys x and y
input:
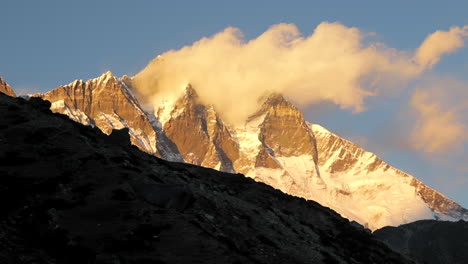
{"x": 275, "y": 146}
{"x": 71, "y": 194}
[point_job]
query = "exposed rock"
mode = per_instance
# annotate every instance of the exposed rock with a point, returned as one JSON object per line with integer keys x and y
{"x": 187, "y": 128}
{"x": 70, "y": 195}
{"x": 6, "y": 88}
{"x": 275, "y": 146}
{"x": 287, "y": 147}
{"x": 199, "y": 133}
{"x": 284, "y": 130}
{"x": 105, "y": 102}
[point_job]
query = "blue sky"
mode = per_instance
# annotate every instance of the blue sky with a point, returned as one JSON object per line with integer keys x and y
{"x": 45, "y": 44}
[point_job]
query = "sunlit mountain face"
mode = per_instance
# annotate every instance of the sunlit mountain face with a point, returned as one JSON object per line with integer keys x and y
{"x": 6, "y": 88}
{"x": 71, "y": 194}
{"x": 233, "y": 106}
{"x": 274, "y": 145}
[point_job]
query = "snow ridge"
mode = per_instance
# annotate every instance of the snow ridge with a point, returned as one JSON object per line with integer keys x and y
{"x": 275, "y": 146}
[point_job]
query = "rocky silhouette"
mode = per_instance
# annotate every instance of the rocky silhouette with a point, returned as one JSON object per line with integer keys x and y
{"x": 71, "y": 194}
{"x": 429, "y": 241}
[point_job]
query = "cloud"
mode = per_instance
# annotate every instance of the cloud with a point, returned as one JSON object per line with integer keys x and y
{"x": 333, "y": 64}
{"x": 438, "y": 44}
{"x": 440, "y": 124}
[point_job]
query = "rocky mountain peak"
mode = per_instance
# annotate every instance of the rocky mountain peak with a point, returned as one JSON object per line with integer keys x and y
{"x": 190, "y": 93}
{"x": 276, "y": 105}
{"x": 104, "y": 79}
{"x": 107, "y": 75}
{"x": 283, "y": 122}
{"x": 107, "y": 103}
{"x": 6, "y": 88}
{"x": 70, "y": 194}
{"x": 189, "y": 116}
{"x": 186, "y": 103}
{"x": 275, "y": 146}
{"x": 276, "y": 100}
{"x": 127, "y": 80}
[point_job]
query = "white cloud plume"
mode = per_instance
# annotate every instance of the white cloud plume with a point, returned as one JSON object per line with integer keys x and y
{"x": 438, "y": 44}
{"x": 440, "y": 123}
{"x": 331, "y": 65}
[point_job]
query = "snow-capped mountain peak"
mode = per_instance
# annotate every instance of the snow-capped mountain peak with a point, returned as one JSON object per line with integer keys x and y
{"x": 105, "y": 102}
{"x": 275, "y": 146}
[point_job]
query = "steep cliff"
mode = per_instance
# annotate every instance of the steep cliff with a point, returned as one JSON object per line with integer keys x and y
{"x": 107, "y": 103}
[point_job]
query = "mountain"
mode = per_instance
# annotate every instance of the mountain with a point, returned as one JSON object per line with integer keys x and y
{"x": 6, "y": 88}
{"x": 275, "y": 146}
{"x": 429, "y": 241}
{"x": 359, "y": 179}
{"x": 71, "y": 194}
{"x": 107, "y": 103}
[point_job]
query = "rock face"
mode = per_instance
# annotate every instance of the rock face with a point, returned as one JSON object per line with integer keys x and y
{"x": 105, "y": 102}
{"x": 199, "y": 134}
{"x": 285, "y": 149}
{"x": 275, "y": 146}
{"x": 428, "y": 241}
{"x": 6, "y": 88}
{"x": 71, "y": 194}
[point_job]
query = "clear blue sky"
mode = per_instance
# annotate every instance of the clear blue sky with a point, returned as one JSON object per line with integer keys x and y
{"x": 44, "y": 44}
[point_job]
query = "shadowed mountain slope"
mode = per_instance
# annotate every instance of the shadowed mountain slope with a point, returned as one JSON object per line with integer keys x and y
{"x": 429, "y": 241}
{"x": 71, "y": 194}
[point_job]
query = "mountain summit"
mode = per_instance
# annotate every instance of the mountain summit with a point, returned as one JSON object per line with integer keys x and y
{"x": 105, "y": 102}
{"x": 70, "y": 194}
{"x": 275, "y": 146}
{"x": 6, "y": 88}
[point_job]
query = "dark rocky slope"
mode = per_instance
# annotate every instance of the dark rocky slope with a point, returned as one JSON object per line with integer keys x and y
{"x": 429, "y": 241}
{"x": 70, "y": 194}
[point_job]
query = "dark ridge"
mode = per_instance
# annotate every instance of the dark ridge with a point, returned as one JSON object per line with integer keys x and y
{"x": 429, "y": 241}
{"x": 70, "y": 194}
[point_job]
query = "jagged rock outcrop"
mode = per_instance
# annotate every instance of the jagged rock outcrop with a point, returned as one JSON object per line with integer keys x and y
{"x": 429, "y": 241}
{"x": 283, "y": 147}
{"x": 205, "y": 140}
{"x": 105, "y": 102}
{"x": 275, "y": 146}
{"x": 6, "y": 88}
{"x": 71, "y": 194}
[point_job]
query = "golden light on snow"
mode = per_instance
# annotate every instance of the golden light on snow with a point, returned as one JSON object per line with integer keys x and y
{"x": 332, "y": 64}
